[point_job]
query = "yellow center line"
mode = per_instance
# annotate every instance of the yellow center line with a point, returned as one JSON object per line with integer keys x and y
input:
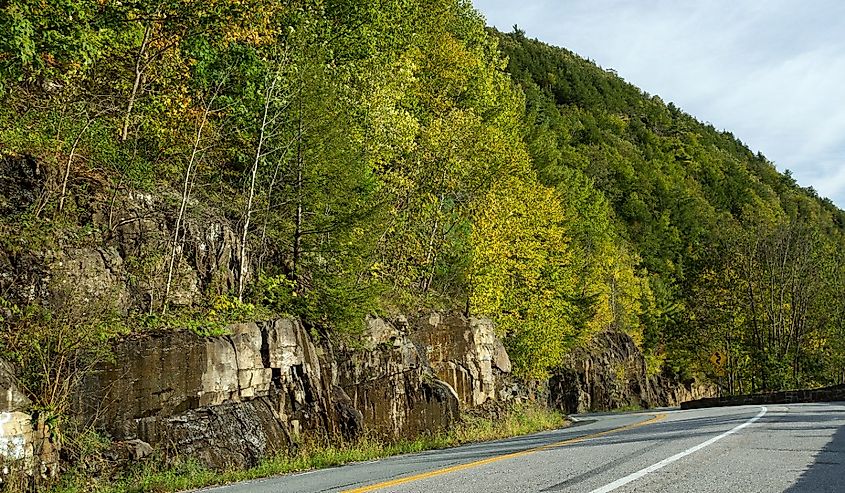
{"x": 470, "y": 465}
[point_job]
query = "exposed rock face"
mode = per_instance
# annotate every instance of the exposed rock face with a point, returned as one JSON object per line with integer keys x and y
{"x": 392, "y": 384}
{"x": 163, "y": 376}
{"x": 611, "y": 374}
{"x": 208, "y": 258}
{"x": 130, "y": 450}
{"x": 26, "y": 440}
{"x": 233, "y": 400}
{"x": 11, "y": 399}
{"x": 303, "y": 383}
{"x": 17, "y": 435}
{"x": 234, "y": 434}
{"x": 27, "y": 449}
{"x": 124, "y": 268}
{"x": 466, "y": 354}
{"x": 204, "y": 395}
{"x": 91, "y": 276}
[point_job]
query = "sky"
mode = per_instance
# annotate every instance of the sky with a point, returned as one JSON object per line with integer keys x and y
{"x": 772, "y": 72}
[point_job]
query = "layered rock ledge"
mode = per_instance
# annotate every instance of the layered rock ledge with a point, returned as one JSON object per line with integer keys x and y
{"x": 233, "y": 400}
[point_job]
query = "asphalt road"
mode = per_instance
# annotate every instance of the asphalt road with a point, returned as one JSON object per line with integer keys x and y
{"x": 795, "y": 448}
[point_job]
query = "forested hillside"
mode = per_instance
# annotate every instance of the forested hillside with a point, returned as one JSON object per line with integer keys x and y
{"x": 738, "y": 258}
{"x": 385, "y": 156}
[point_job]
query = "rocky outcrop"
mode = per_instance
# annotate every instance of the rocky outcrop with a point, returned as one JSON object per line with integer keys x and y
{"x": 27, "y": 449}
{"x": 611, "y": 374}
{"x": 465, "y": 353}
{"x": 11, "y": 399}
{"x": 16, "y": 436}
{"x": 255, "y": 388}
{"x": 233, "y": 434}
{"x": 228, "y": 400}
{"x": 16, "y": 431}
{"x": 232, "y": 400}
{"x": 117, "y": 257}
{"x": 390, "y": 381}
{"x": 169, "y": 374}
{"x": 141, "y": 227}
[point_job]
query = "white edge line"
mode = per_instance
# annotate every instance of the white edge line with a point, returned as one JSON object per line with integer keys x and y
{"x": 650, "y": 469}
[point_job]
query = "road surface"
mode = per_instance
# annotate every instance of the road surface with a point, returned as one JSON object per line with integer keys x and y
{"x": 796, "y": 448}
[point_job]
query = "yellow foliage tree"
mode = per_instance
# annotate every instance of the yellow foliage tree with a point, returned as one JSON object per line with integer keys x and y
{"x": 522, "y": 274}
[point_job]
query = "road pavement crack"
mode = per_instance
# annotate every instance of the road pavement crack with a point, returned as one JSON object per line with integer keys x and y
{"x": 601, "y": 469}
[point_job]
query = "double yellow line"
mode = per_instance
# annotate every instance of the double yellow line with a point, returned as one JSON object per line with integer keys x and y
{"x": 470, "y": 465}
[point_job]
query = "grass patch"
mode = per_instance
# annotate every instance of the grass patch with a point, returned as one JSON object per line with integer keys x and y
{"x": 185, "y": 474}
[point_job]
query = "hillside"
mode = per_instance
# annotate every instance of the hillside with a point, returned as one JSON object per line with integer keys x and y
{"x": 184, "y": 167}
{"x": 740, "y": 259}
{"x": 375, "y": 157}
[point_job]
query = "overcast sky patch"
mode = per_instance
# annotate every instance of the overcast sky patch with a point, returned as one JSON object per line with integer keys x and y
{"x": 772, "y": 73}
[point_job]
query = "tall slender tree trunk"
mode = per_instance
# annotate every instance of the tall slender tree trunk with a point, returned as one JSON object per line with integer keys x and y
{"x": 259, "y": 149}
{"x": 298, "y": 220}
{"x": 431, "y": 255}
{"x": 69, "y": 163}
{"x": 186, "y": 187}
{"x": 262, "y": 244}
{"x": 140, "y": 68}
{"x": 431, "y": 251}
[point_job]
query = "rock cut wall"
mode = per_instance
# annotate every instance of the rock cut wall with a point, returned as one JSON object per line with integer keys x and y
{"x": 232, "y": 400}
{"x": 610, "y": 373}
{"x": 16, "y": 430}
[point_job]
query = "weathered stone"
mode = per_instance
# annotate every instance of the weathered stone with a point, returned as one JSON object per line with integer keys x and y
{"x": 289, "y": 345}
{"x": 381, "y": 331}
{"x": 235, "y": 434}
{"x": 271, "y": 383}
{"x": 391, "y": 383}
{"x": 28, "y": 455}
{"x": 610, "y": 374}
{"x": 208, "y": 255}
{"x": 16, "y": 436}
{"x": 253, "y": 377}
{"x": 93, "y": 279}
{"x": 164, "y": 375}
{"x": 128, "y": 266}
{"x": 129, "y": 450}
{"x": 303, "y": 386}
{"x": 567, "y": 392}
{"x": 27, "y": 446}
{"x": 350, "y": 420}
{"x": 175, "y": 372}
{"x": 464, "y": 353}
{"x": 11, "y": 399}
{"x": 157, "y": 385}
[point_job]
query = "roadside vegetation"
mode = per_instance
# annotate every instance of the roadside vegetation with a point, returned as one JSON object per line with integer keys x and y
{"x": 372, "y": 156}
{"x": 160, "y": 476}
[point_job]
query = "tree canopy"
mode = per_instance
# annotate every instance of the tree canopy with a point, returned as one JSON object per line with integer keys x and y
{"x": 386, "y": 155}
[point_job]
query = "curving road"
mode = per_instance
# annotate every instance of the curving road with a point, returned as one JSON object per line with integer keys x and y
{"x": 796, "y": 448}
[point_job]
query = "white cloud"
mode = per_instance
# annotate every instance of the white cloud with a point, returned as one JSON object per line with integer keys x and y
{"x": 770, "y": 72}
